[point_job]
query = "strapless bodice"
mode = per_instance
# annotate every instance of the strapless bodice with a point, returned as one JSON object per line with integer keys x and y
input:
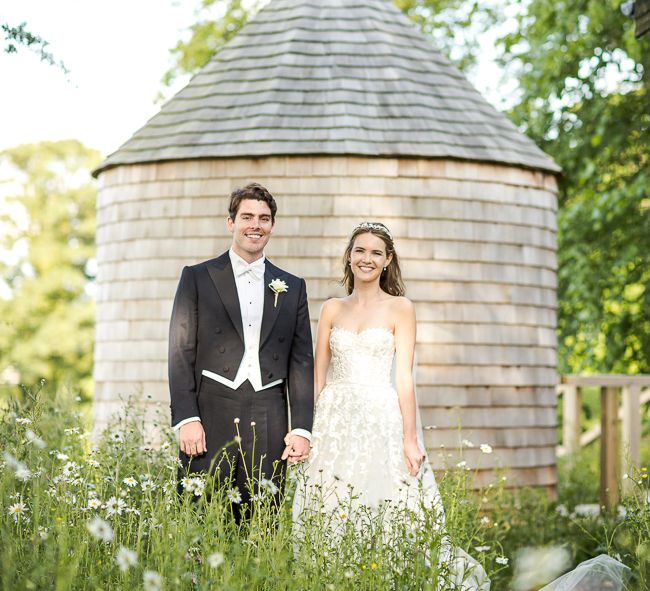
{"x": 364, "y": 357}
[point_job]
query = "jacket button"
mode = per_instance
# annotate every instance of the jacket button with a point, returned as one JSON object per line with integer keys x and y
{"x": 281, "y": 339}
{"x": 218, "y": 331}
{"x": 276, "y": 356}
{"x": 226, "y": 369}
{"x": 270, "y": 374}
{"x": 222, "y": 349}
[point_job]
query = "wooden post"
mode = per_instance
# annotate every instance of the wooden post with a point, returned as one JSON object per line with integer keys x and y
{"x": 572, "y": 408}
{"x": 631, "y": 436}
{"x": 608, "y": 448}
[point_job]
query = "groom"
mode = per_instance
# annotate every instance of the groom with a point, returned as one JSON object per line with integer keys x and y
{"x": 239, "y": 347}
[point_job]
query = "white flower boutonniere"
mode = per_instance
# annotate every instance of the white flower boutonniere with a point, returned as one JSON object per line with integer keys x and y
{"x": 278, "y": 286}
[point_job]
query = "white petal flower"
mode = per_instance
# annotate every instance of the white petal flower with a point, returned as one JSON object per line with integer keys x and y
{"x": 23, "y": 421}
{"x": 587, "y": 510}
{"x": 481, "y": 548}
{"x": 215, "y": 560}
{"x": 130, "y": 481}
{"x": 114, "y": 505}
{"x": 70, "y": 469}
{"x": 23, "y": 472}
{"x": 535, "y": 567}
{"x": 35, "y": 439}
{"x": 92, "y": 463}
{"x": 467, "y": 443}
{"x": 18, "y": 510}
{"x": 486, "y": 448}
{"x": 461, "y": 464}
{"x": 94, "y": 503}
{"x": 269, "y": 486}
{"x": 151, "y": 580}
{"x": 100, "y": 529}
{"x": 126, "y": 558}
{"x": 233, "y": 495}
{"x": 501, "y": 560}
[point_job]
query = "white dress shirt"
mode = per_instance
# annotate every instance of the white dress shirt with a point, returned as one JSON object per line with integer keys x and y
{"x": 249, "y": 279}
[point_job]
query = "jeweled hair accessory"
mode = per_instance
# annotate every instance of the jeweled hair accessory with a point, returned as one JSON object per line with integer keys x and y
{"x": 373, "y": 226}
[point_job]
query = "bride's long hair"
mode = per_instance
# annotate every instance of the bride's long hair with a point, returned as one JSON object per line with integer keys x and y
{"x": 391, "y": 279}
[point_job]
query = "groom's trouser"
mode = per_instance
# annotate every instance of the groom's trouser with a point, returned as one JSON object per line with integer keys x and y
{"x": 262, "y": 426}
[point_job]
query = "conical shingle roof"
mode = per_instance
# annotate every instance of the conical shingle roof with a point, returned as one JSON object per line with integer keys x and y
{"x": 335, "y": 77}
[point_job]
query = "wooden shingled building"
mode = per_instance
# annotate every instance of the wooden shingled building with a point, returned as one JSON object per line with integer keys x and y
{"x": 346, "y": 112}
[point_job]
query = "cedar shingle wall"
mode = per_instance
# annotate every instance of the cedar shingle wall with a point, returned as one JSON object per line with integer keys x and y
{"x": 477, "y": 246}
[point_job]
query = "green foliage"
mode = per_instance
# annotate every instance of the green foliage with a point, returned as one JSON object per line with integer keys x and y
{"x": 454, "y": 25}
{"x": 217, "y": 22}
{"x": 585, "y": 99}
{"x": 47, "y": 323}
{"x": 19, "y": 36}
{"x": 48, "y": 465}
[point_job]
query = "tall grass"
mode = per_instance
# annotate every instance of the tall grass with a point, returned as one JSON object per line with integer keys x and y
{"x": 78, "y": 515}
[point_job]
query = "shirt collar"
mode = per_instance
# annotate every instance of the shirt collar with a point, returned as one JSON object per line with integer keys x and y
{"x": 241, "y": 266}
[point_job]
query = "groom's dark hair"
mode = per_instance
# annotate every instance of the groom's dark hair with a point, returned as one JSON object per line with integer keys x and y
{"x": 251, "y": 191}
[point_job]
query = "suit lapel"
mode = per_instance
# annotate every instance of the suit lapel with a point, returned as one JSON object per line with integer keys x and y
{"x": 222, "y": 276}
{"x": 271, "y": 311}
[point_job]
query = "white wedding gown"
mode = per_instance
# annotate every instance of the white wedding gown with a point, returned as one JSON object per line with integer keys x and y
{"x": 357, "y": 457}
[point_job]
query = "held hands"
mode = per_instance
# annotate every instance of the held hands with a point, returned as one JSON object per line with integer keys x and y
{"x": 297, "y": 448}
{"x": 192, "y": 439}
{"x": 413, "y": 456}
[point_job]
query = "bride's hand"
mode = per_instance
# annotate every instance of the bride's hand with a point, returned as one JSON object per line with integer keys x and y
{"x": 413, "y": 456}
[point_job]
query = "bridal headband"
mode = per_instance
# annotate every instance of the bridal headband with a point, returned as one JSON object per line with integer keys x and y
{"x": 373, "y": 226}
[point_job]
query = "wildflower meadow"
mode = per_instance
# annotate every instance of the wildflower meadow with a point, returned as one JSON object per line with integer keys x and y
{"x": 106, "y": 512}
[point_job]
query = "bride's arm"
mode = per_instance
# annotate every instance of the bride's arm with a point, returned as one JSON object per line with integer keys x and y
{"x": 323, "y": 353}
{"x": 405, "y": 329}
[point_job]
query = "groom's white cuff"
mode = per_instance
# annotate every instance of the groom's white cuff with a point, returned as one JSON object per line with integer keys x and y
{"x": 185, "y": 421}
{"x": 302, "y": 432}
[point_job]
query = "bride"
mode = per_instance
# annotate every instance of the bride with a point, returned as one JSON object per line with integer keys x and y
{"x": 367, "y": 449}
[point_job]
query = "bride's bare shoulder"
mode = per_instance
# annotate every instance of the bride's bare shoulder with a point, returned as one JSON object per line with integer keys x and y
{"x": 332, "y": 306}
{"x": 402, "y": 308}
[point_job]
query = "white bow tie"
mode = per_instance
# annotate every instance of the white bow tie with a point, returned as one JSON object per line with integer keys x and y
{"x": 256, "y": 268}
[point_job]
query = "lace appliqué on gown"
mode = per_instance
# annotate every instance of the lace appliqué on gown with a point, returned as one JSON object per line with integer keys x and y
{"x": 356, "y": 466}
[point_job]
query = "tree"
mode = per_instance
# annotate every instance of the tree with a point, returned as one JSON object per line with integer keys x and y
{"x": 19, "y": 36}
{"x": 47, "y": 322}
{"x": 585, "y": 99}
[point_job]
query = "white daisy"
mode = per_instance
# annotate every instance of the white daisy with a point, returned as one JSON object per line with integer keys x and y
{"x": 215, "y": 560}
{"x": 92, "y": 463}
{"x": 269, "y": 485}
{"x": 114, "y": 505}
{"x": 151, "y": 580}
{"x": 18, "y": 510}
{"x": 126, "y": 558}
{"x": 233, "y": 495}
{"x": 35, "y": 439}
{"x": 501, "y": 560}
{"x": 94, "y": 503}
{"x": 130, "y": 481}
{"x": 70, "y": 469}
{"x": 486, "y": 448}
{"x": 481, "y": 548}
{"x": 100, "y": 529}
{"x": 467, "y": 443}
{"x": 196, "y": 486}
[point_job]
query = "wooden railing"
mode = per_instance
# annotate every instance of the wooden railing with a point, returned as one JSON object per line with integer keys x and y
{"x": 635, "y": 391}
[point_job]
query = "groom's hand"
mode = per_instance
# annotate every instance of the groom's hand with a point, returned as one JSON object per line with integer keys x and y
{"x": 297, "y": 449}
{"x": 192, "y": 439}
